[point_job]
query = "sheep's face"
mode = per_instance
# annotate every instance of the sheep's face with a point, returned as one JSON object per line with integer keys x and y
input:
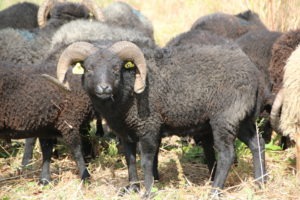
{"x": 104, "y": 74}
{"x": 69, "y": 11}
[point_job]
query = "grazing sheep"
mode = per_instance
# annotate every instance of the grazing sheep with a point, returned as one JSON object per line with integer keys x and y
{"x": 286, "y": 109}
{"x": 21, "y": 16}
{"x": 281, "y": 50}
{"x": 142, "y": 101}
{"x": 257, "y": 45}
{"x": 229, "y": 26}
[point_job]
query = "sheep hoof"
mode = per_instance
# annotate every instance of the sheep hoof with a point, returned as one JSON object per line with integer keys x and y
{"x": 129, "y": 189}
{"x": 148, "y": 195}
{"x": 215, "y": 194}
{"x": 44, "y": 181}
{"x": 85, "y": 175}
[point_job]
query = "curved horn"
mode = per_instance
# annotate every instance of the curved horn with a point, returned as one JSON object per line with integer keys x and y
{"x": 55, "y": 81}
{"x": 275, "y": 112}
{"x": 129, "y": 51}
{"x": 44, "y": 10}
{"x": 94, "y": 8}
{"x": 75, "y": 52}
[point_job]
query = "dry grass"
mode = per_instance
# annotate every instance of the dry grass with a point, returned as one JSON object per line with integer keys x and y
{"x": 179, "y": 179}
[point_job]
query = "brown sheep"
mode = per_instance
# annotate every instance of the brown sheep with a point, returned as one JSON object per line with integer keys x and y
{"x": 285, "y": 115}
{"x": 281, "y": 51}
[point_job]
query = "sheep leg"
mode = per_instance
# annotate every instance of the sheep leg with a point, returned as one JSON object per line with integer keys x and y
{"x": 130, "y": 155}
{"x": 255, "y": 142}
{"x": 47, "y": 147}
{"x": 209, "y": 153}
{"x": 224, "y": 144}
{"x": 28, "y": 151}
{"x": 207, "y": 143}
{"x": 155, "y": 163}
{"x": 149, "y": 146}
{"x": 100, "y": 131}
{"x": 74, "y": 143}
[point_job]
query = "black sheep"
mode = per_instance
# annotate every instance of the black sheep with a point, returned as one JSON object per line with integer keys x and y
{"x": 33, "y": 107}
{"x": 197, "y": 88}
{"x": 254, "y": 38}
{"x": 23, "y": 47}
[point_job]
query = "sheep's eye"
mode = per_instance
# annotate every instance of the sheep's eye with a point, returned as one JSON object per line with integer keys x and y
{"x": 116, "y": 68}
{"x": 129, "y": 65}
{"x": 88, "y": 71}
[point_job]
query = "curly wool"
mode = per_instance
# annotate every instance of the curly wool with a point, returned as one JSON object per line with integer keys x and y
{"x": 257, "y": 45}
{"x": 281, "y": 51}
{"x": 92, "y": 31}
{"x": 23, "y": 110}
{"x": 15, "y": 48}
{"x": 290, "y": 115}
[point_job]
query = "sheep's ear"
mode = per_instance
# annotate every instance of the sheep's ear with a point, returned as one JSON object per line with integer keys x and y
{"x": 245, "y": 15}
{"x": 78, "y": 69}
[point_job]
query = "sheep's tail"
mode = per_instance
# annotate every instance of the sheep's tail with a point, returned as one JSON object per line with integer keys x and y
{"x": 276, "y": 111}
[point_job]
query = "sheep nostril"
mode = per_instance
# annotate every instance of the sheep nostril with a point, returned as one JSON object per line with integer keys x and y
{"x": 104, "y": 89}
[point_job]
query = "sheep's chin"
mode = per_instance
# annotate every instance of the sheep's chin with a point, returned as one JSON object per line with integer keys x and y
{"x": 104, "y": 96}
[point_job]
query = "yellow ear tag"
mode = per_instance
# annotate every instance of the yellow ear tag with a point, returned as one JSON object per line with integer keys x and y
{"x": 78, "y": 69}
{"x": 129, "y": 65}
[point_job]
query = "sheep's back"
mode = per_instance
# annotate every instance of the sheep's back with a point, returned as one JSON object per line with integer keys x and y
{"x": 199, "y": 37}
{"x": 204, "y": 82}
{"x": 31, "y": 103}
